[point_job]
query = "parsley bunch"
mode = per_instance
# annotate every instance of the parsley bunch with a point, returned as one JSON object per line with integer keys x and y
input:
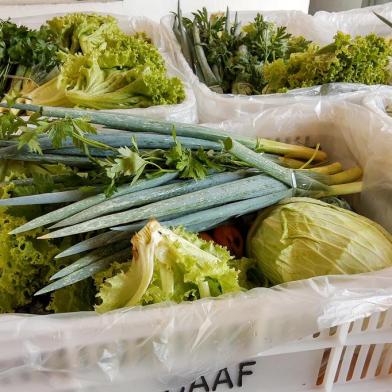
{"x": 26, "y": 57}
{"x": 109, "y": 164}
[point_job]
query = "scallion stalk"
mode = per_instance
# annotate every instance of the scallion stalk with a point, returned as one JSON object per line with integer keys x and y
{"x": 65, "y": 212}
{"x": 162, "y": 192}
{"x": 294, "y": 178}
{"x": 52, "y": 197}
{"x": 87, "y": 271}
{"x": 217, "y": 195}
{"x": 142, "y": 124}
{"x": 93, "y": 256}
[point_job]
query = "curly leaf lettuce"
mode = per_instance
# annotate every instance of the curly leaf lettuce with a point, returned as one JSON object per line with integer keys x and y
{"x": 87, "y": 84}
{"x": 103, "y": 68}
{"x": 25, "y": 263}
{"x": 169, "y": 266}
{"x": 351, "y": 60}
{"x": 82, "y": 32}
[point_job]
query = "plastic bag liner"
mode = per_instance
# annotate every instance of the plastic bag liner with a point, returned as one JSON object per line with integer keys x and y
{"x": 162, "y": 347}
{"x": 214, "y": 107}
{"x": 183, "y": 112}
{"x": 359, "y": 21}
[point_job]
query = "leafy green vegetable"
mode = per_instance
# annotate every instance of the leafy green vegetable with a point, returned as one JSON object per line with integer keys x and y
{"x": 25, "y": 263}
{"x": 352, "y": 60}
{"x": 75, "y": 298}
{"x": 88, "y": 84}
{"x": 77, "y": 32}
{"x": 169, "y": 266}
{"x": 27, "y": 55}
{"x": 300, "y": 238}
{"x": 230, "y": 60}
{"x": 250, "y": 275}
{"x": 103, "y": 68}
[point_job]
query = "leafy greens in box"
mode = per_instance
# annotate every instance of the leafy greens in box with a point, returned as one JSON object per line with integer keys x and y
{"x": 85, "y": 60}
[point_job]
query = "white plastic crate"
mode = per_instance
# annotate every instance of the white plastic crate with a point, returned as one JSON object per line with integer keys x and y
{"x": 354, "y": 357}
{"x": 264, "y": 337}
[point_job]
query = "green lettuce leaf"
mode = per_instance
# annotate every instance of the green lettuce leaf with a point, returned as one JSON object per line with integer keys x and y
{"x": 351, "y": 60}
{"x": 25, "y": 263}
{"x": 82, "y": 32}
{"x": 169, "y": 266}
{"x": 75, "y": 298}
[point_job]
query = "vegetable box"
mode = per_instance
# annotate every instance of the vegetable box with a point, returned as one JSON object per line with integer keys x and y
{"x": 215, "y": 107}
{"x": 326, "y": 333}
{"x": 183, "y": 112}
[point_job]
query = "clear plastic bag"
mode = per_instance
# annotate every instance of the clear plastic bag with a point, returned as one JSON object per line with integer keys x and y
{"x": 183, "y": 112}
{"x": 360, "y": 21}
{"x": 162, "y": 347}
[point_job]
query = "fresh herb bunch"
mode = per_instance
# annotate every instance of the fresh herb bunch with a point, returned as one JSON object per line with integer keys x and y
{"x": 29, "y": 132}
{"x": 26, "y": 57}
{"x": 230, "y": 59}
{"x": 37, "y": 137}
{"x": 263, "y": 58}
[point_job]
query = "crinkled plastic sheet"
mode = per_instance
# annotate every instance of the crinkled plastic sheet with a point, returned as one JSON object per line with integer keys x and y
{"x": 183, "y": 112}
{"x": 214, "y": 107}
{"x": 360, "y": 21}
{"x": 162, "y": 347}
{"x": 350, "y": 132}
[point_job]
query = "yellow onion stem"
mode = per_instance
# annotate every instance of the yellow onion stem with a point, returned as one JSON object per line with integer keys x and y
{"x": 346, "y": 176}
{"x": 291, "y": 162}
{"x": 345, "y": 189}
{"x": 332, "y": 168}
{"x": 290, "y": 150}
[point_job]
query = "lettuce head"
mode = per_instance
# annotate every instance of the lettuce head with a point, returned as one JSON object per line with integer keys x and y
{"x": 169, "y": 265}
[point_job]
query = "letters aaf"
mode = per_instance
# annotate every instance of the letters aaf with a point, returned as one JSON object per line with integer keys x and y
{"x": 223, "y": 377}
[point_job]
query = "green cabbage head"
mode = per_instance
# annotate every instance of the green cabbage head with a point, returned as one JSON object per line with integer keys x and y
{"x": 300, "y": 238}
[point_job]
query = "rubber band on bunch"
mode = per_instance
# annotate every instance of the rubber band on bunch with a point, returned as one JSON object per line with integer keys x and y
{"x": 293, "y": 182}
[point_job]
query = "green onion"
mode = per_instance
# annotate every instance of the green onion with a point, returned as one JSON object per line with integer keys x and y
{"x": 142, "y": 124}
{"x": 217, "y": 195}
{"x": 142, "y": 197}
{"x": 65, "y": 212}
{"x": 98, "y": 241}
{"x": 52, "y": 158}
{"x": 346, "y": 176}
{"x": 183, "y": 38}
{"x": 52, "y": 197}
{"x": 91, "y": 257}
{"x": 209, "y": 76}
{"x": 295, "y": 178}
{"x": 207, "y": 219}
{"x": 87, "y": 271}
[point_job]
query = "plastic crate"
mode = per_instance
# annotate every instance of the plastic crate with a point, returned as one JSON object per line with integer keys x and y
{"x": 352, "y": 357}
{"x": 143, "y": 349}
